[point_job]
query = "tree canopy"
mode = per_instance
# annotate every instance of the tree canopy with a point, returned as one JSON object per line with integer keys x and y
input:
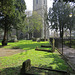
{"x": 59, "y": 16}
{"x": 34, "y": 22}
{"x": 12, "y": 15}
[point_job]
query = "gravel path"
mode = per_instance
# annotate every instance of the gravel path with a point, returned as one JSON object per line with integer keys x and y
{"x": 8, "y": 52}
{"x": 70, "y": 55}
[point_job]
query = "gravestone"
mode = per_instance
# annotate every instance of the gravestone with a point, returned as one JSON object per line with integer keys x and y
{"x": 58, "y": 42}
{"x": 53, "y": 45}
{"x": 25, "y": 67}
{"x": 38, "y": 39}
{"x": 13, "y": 38}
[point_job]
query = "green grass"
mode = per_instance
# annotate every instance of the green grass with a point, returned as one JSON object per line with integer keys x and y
{"x": 12, "y": 64}
{"x": 0, "y": 42}
{"x": 68, "y": 43}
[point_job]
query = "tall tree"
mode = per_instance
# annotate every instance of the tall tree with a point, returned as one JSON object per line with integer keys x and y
{"x": 59, "y": 16}
{"x": 12, "y": 15}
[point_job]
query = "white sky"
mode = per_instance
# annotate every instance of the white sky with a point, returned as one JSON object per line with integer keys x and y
{"x": 29, "y": 4}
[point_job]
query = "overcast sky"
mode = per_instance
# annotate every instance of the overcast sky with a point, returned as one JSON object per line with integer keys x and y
{"x": 29, "y": 4}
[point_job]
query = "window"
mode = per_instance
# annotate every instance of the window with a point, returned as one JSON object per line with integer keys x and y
{"x": 44, "y": 1}
{"x": 36, "y": 1}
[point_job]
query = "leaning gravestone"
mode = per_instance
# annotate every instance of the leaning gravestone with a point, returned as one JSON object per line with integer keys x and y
{"x": 13, "y": 39}
{"x": 25, "y": 67}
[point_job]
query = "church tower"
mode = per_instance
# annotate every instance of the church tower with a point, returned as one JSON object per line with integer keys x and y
{"x": 40, "y": 6}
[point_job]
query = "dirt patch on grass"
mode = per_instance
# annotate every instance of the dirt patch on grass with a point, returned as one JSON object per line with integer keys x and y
{"x": 8, "y": 52}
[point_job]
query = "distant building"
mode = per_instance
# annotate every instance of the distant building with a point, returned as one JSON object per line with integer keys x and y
{"x": 40, "y": 6}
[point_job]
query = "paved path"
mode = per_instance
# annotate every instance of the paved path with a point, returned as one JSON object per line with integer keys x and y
{"x": 69, "y": 53}
{"x": 8, "y": 52}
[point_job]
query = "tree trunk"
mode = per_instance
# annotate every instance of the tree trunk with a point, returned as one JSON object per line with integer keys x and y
{"x": 17, "y": 33}
{"x": 60, "y": 28}
{"x": 44, "y": 31}
{"x": 4, "y": 42}
{"x": 60, "y": 34}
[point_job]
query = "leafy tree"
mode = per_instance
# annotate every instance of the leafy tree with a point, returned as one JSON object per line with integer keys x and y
{"x": 11, "y": 16}
{"x": 59, "y": 16}
{"x": 33, "y": 23}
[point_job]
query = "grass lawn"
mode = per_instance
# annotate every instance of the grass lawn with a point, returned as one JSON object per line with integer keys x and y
{"x": 68, "y": 43}
{"x": 11, "y": 65}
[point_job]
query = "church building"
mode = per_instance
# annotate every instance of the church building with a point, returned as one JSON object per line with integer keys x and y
{"x": 40, "y": 6}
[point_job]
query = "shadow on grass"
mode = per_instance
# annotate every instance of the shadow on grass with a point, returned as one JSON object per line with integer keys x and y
{"x": 56, "y": 60}
{"x": 11, "y": 71}
{"x": 55, "y": 57}
{"x": 67, "y": 43}
{"x": 35, "y": 71}
{"x": 30, "y": 46}
{"x": 26, "y": 46}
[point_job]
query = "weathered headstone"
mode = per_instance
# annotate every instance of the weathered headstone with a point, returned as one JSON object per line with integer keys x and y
{"x": 53, "y": 44}
{"x": 38, "y": 39}
{"x": 58, "y": 42}
{"x": 25, "y": 67}
{"x": 13, "y": 38}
